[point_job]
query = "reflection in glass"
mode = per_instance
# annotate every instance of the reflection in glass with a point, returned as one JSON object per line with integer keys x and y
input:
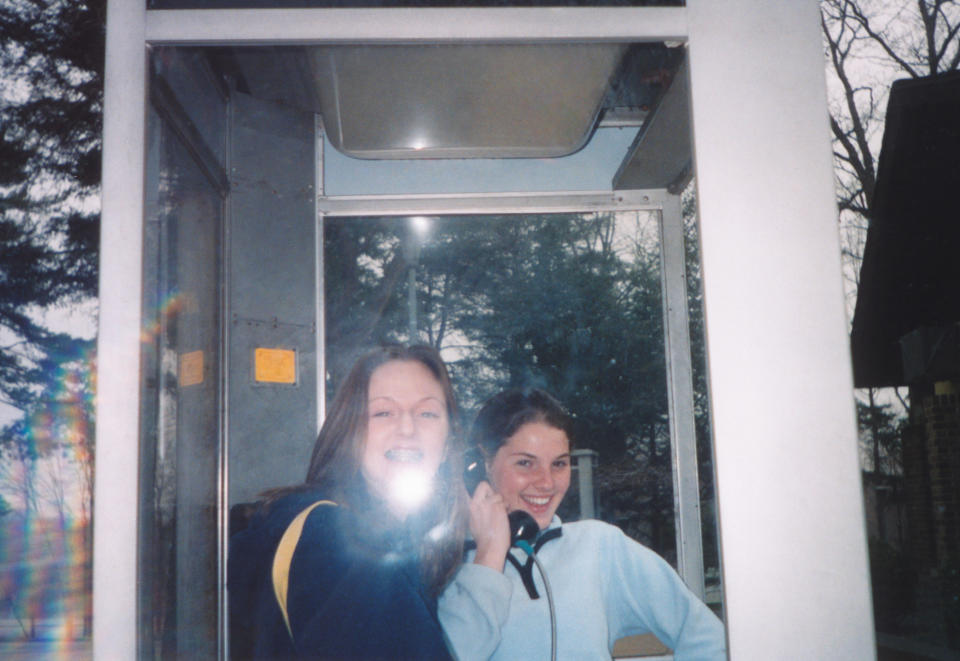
{"x": 701, "y": 403}
{"x": 179, "y": 452}
{"x": 567, "y": 302}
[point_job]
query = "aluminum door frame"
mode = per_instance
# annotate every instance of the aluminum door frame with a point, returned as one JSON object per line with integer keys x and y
{"x": 679, "y": 368}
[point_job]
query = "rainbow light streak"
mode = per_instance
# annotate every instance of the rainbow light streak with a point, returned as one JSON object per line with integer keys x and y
{"x": 45, "y": 569}
{"x": 169, "y": 307}
{"x": 45, "y": 551}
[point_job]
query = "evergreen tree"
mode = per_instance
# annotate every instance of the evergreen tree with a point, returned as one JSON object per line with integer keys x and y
{"x": 570, "y": 303}
{"x": 51, "y": 62}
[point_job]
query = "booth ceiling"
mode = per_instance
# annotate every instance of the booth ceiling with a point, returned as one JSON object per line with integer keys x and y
{"x": 480, "y": 100}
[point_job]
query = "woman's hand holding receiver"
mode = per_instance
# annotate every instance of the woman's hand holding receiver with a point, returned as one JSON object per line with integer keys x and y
{"x": 489, "y": 527}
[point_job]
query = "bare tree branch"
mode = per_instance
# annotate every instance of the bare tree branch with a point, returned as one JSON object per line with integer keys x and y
{"x": 864, "y": 21}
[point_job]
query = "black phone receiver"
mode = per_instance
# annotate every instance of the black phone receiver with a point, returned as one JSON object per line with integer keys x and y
{"x": 523, "y": 528}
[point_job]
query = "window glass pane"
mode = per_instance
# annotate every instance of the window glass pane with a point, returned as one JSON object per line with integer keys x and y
{"x": 568, "y": 302}
{"x": 181, "y": 395}
{"x": 701, "y": 403}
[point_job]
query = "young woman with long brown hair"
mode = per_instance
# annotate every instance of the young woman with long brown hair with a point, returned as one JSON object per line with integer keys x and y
{"x": 348, "y": 565}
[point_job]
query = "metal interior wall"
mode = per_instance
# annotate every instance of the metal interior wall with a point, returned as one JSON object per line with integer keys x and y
{"x": 272, "y": 294}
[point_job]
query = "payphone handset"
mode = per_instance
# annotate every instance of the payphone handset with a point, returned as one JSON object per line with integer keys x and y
{"x": 523, "y": 528}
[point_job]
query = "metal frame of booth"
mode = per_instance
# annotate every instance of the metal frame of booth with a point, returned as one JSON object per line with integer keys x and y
{"x": 788, "y": 484}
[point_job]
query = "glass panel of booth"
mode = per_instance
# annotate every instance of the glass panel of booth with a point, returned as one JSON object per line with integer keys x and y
{"x": 568, "y": 298}
{"x": 181, "y": 379}
{"x": 567, "y": 302}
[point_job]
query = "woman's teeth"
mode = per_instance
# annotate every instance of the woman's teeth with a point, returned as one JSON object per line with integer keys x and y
{"x": 403, "y": 455}
{"x": 537, "y": 501}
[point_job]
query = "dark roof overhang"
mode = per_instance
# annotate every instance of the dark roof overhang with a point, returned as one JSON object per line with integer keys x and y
{"x": 908, "y": 302}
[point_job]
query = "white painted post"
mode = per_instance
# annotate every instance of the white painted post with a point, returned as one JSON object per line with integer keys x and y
{"x": 788, "y": 477}
{"x": 118, "y": 343}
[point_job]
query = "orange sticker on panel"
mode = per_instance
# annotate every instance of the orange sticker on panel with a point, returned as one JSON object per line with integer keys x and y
{"x": 191, "y": 368}
{"x": 275, "y": 365}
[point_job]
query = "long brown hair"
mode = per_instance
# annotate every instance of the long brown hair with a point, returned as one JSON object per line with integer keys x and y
{"x": 335, "y": 464}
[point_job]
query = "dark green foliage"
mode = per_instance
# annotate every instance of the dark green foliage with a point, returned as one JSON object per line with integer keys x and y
{"x": 51, "y": 71}
{"x": 534, "y": 302}
{"x": 51, "y": 58}
{"x": 54, "y": 51}
{"x": 564, "y": 302}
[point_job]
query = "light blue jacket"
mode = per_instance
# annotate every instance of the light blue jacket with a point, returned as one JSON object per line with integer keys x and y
{"x": 605, "y": 586}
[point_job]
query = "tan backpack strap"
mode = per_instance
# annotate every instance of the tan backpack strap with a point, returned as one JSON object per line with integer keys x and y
{"x": 284, "y": 556}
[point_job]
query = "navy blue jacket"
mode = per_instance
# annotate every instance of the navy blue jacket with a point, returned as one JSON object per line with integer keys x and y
{"x": 355, "y": 593}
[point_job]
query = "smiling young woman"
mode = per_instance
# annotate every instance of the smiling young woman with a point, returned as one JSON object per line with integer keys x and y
{"x": 406, "y": 435}
{"x": 531, "y": 471}
{"x": 605, "y": 585}
{"x": 376, "y": 526}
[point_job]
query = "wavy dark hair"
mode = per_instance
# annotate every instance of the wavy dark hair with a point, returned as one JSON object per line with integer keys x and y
{"x": 503, "y": 414}
{"x": 335, "y": 464}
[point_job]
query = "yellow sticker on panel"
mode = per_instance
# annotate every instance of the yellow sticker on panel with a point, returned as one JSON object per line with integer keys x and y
{"x": 275, "y": 365}
{"x": 191, "y": 368}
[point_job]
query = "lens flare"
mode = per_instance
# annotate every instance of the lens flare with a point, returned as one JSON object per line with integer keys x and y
{"x": 45, "y": 538}
{"x": 410, "y": 489}
{"x": 169, "y": 307}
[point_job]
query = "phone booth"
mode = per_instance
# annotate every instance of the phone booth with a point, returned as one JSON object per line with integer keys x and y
{"x": 287, "y": 183}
